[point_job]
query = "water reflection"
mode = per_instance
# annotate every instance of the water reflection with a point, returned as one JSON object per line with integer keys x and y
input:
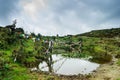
{"x": 68, "y": 66}
{"x": 49, "y": 63}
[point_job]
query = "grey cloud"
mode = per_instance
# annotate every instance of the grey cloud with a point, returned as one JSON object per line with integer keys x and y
{"x": 93, "y": 13}
{"x": 6, "y": 7}
{"x": 77, "y": 16}
{"x": 109, "y": 8}
{"x": 64, "y": 16}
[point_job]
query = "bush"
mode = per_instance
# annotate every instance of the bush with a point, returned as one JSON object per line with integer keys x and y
{"x": 102, "y": 58}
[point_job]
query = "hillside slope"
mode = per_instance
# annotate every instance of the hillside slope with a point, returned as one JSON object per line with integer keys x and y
{"x": 109, "y": 33}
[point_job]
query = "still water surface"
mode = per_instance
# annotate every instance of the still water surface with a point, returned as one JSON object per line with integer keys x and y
{"x": 69, "y": 66}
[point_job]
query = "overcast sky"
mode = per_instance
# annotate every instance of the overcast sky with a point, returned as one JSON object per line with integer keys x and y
{"x": 51, "y": 17}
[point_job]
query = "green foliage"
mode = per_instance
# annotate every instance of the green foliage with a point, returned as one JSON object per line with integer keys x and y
{"x": 33, "y": 34}
{"x": 29, "y": 53}
{"x": 118, "y": 62}
{"x": 31, "y": 59}
{"x": 67, "y": 48}
{"x": 16, "y": 75}
{"x": 98, "y": 49}
{"x": 75, "y": 55}
{"x": 109, "y": 33}
{"x": 101, "y": 58}
{"x": 7, "y": 39}
{"x": 118, "y": 79}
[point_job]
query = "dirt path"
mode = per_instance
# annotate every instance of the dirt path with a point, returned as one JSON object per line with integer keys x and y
{"x": 107, "y": 72}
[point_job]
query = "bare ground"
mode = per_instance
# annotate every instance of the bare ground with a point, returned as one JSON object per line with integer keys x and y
{"x": 110, "y": 71}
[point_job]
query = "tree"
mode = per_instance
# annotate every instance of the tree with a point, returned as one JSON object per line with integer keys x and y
{"x": 33, "y": 34}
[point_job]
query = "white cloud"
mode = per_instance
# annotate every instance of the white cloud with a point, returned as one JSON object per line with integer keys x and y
{"x": 31, "y": 8}
{"x": 60, "y": 17}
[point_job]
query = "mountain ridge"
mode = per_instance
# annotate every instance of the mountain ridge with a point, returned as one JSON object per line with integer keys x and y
{"x": 108, "y": 33}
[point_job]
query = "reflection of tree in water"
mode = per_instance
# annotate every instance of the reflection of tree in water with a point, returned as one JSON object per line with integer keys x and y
{"x": 49, "y": 56}
{"x": 49, "y": 63}
{"x": 61, "y": 65}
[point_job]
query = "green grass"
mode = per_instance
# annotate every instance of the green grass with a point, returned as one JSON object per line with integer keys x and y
{"x": 118, "y": 79}
{"x": 17, "y": 72}
{"x": 118, "y": 62}
{"x": 75, "y": 55}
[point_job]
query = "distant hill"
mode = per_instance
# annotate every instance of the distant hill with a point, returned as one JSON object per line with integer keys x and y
{"x": 109, "y": 33}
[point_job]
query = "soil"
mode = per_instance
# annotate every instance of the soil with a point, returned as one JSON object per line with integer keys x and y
{"x": 110, "y": 71}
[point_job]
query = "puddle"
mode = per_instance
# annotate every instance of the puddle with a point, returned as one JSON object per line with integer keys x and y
{"x": 69, "y": 66}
